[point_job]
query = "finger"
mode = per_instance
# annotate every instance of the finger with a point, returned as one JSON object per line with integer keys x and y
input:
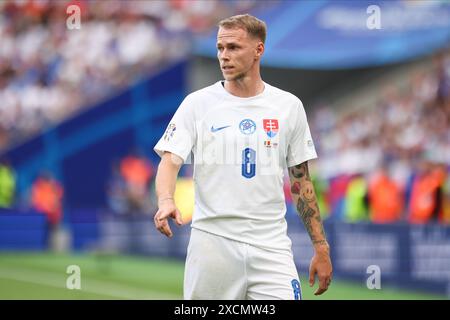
{"x": 162, "y": 225}
{"x": 165, "y": 228}
{"x": 320, "y": 291}
{"x": 163, "y": 215}
{"x": 178, "y": 217}
{"x": 323, "y": 282}
{"x": 311, "y": 277}
{"x": 156, "y": 220}
{"x": 323, "y": 285}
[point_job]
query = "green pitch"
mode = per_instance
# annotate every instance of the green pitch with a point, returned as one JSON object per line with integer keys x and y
{"x": 43, "y": 276}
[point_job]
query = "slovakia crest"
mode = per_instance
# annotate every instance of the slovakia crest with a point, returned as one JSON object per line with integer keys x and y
{"x": 270, "y": 127}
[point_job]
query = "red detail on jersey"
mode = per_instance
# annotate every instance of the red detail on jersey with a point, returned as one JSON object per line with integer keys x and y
{"x": 270, "y": 127}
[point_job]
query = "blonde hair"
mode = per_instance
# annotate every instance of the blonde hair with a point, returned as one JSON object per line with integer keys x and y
{"x": 254, "y": 27}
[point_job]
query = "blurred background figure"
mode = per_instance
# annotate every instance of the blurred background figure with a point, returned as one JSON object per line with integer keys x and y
{"x": 426, "y": 201}
{"x": 47, "y": 198}
{"x": 386, "y": 198}
{"x": 356, "y": 200}
{"x": 137, "y": 173}
{"x": 116, "y": 191}
{"x": 130, "y": 201}
{"x": 7, "y": 184}
{"x": 184, "y": 195}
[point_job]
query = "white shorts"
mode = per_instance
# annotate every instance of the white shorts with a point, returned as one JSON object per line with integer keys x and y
{"x": 222, "y": 269}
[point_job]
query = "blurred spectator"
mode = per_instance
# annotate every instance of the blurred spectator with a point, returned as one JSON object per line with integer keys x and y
{"x": 446, "y": 200}
{"x": 7, "y": 184}
{"x": 129, "y": 199}
{"x": 426, "y": 202}
{"x": 47, "y": 197}
{"x": 443, "y": 79}
{"x": 320, "y": 186}
{"x": 184, "y": 195}
{"x": 386, "y": 199}
{"x": 137, "y": 173}
{"x": 129, "y": 187}
{"x": 116, "y": 191}
{"x": 356, "y": 200}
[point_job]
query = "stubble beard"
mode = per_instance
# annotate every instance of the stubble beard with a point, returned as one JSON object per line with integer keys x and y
{"x": 234, "y": 77}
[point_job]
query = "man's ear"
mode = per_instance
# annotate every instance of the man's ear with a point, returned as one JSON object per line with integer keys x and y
{"x": 260, "y": 49}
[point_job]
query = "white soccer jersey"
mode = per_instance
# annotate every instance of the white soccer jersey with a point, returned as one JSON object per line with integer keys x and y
{"x": 241, "y": 148}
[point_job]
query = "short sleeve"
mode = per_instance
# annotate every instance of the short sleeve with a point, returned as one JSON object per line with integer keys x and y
{"x": 180, "y": 133}
{"x": 301, "y": 146}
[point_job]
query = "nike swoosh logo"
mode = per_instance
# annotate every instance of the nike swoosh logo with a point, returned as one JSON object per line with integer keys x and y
{"x": 217, "y": 129}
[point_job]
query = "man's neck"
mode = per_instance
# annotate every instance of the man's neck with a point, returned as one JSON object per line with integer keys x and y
{"x": 245, "y": 88}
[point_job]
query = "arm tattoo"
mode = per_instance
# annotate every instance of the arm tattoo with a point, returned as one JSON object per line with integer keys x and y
{"x": 303, "y": 193}
{"x": 299, "y": 171}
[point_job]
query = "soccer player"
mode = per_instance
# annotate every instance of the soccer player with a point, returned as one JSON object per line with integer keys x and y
{"x": 243, "y": 134}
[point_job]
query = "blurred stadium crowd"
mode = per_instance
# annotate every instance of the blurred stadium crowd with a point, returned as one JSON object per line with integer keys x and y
{"x": 393, "y": 158}
{"x": 388, "y": 163}
{"x": 47, "y": 76}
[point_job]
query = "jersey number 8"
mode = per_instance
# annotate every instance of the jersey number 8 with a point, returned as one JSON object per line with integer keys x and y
{"x": 248, "y": 163}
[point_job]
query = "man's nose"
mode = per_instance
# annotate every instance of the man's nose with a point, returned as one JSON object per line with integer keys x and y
{"x": 224, "y": 55}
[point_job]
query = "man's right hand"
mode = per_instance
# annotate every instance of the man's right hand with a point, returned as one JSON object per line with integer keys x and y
{"x": 167, "y": 209}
